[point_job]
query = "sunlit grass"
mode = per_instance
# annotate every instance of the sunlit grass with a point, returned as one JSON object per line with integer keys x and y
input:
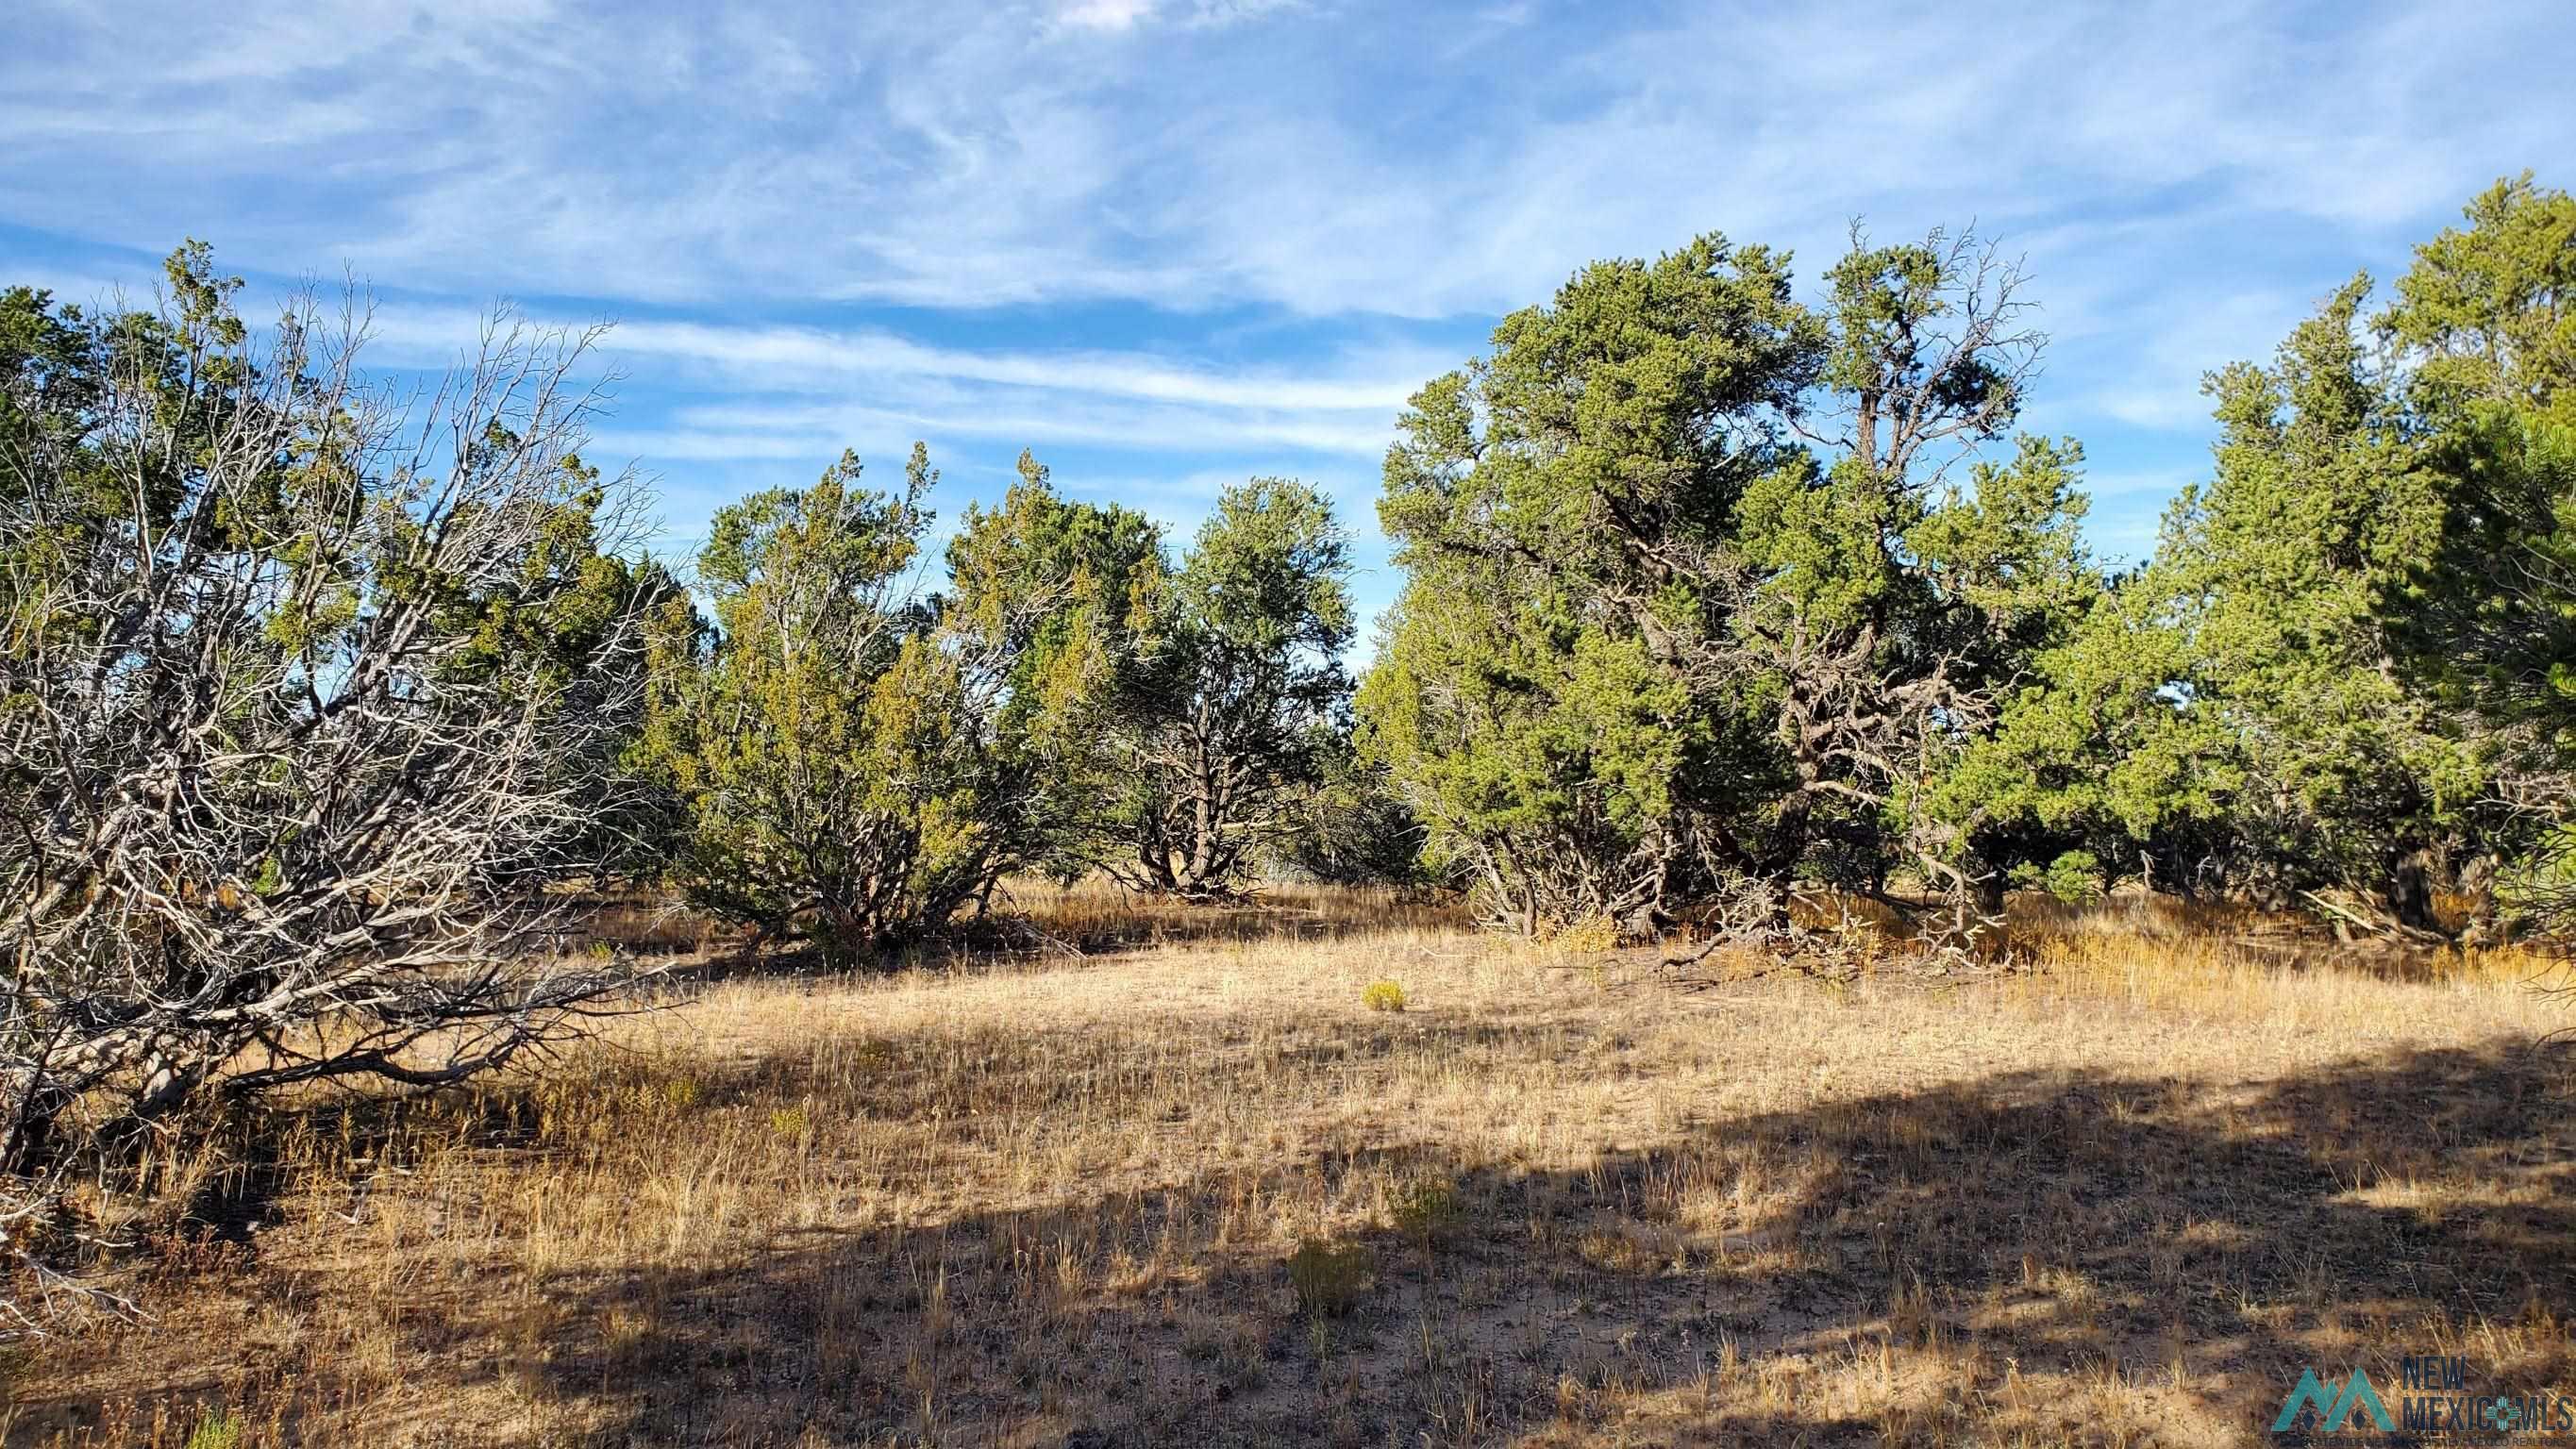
{"x": 2110, "y": 1191}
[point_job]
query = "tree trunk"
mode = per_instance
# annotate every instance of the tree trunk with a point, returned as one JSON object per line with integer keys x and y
{"x": 2477, "y": 881}
{"x": 2410, "y": 891}
{"x": 1203, "y": 830}
{"x": 35, "y": 1104}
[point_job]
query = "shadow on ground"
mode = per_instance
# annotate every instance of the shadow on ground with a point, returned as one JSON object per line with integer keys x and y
{"x": 2036, "y": 1257}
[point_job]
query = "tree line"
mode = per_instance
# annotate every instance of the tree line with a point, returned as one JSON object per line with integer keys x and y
{"x": 1711, "y": 592}
{"x": 847, "y": 756}
{"x": 326, "y": 695}
{"x": 320, "y": 688}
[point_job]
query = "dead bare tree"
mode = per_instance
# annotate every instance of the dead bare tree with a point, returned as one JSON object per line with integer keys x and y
{"x": 312, "y": 686}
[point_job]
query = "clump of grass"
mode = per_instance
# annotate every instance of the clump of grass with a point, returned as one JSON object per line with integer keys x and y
{"x": 1329, "y": 1278}
{"x": 216, "y": 1429}
{"x": 1424, "y": 1206}
{"x": 1591, "y": 936}
{"x": 1382, "y": 996}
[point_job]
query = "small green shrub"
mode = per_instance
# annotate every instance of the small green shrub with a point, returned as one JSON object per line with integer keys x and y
{"x": 216, "y": 1429}
{"x": 2074, "y": 877}
{"x": 789, "y": 1121}
{"x": 1330, "y": 1278}
{"x": 1382, "y": 996}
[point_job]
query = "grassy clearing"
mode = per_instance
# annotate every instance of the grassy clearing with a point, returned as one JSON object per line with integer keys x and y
{"x": 1192, "y": 1189}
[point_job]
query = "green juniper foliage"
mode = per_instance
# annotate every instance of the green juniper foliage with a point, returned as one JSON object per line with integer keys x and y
{"x": 820, "y": 738}
{"x": 2487, "y": 623}
{"x": 1711, "y": 591}
{"x": 2346, "y": 669}
{"x": 1052, "y": 602}
{"x": 1236, "y": 710}
{"x": 2263, "y": 739}
{"x": 1696, "y": 598}
{"x": 2488, "y": 316}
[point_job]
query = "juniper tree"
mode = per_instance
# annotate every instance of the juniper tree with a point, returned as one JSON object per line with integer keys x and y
{"x": 2242, "y": 692}
{"x": 1051, "y": 603}
{"x": 1697, "y": 600}
{"x": 2342, "y": 663}
{"x": 1238, "y": 704}
{"x": 2485, "y": 327}
{"x": 821, "y": 739}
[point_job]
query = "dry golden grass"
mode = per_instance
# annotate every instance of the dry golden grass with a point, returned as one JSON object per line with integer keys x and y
{"x": 1193, "y": 1190}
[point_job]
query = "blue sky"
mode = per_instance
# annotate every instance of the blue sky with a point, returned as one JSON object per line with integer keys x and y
{"x": 1170, "y": 243}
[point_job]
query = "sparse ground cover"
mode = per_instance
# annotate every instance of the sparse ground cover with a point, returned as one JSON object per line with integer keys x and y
{"x": 1204, "y": 1185}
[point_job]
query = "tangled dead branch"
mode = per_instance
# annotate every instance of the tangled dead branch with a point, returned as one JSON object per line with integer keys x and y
{"x": 313, "y": 687}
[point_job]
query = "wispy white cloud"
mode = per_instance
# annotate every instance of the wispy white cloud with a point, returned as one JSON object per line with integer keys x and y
{"x": 794, "y": 358}
{"x": 2166, "y": 347}
{"x": 796, "y": 390}
{"x": 1104, "y": 14}
{"x": 801, "y": 359}
{"x": 892, "y": 187}
{"x": 916, "y": 155}
{"x": 1119, "y": 16}
{"x": 790, "y": 429}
